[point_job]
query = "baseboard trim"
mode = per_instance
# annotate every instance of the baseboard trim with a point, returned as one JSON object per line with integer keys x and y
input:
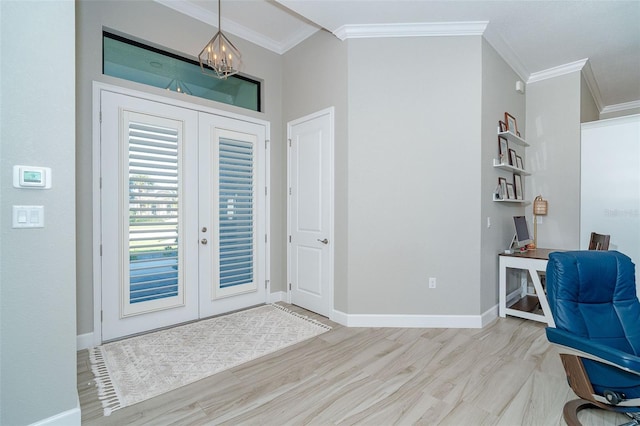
{"x": 66, "y": 418}
{"x": 84, "y": 341}
{"x": 415, "y": 321}
{"x": 277, "y": 296}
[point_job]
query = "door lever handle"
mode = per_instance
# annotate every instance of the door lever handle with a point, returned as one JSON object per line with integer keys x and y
{"x": 325, "y": 241}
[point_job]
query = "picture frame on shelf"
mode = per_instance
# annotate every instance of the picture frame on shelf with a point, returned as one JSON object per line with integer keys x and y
{"x": 517, "y": 183}
{"x": 503, "y": 150}
{"x": 512, "y": 125}
{"x": 502, "y": 126}
{"x": 512, "y": 157}
{"x": 519, "y": 162}
{"x": 502, "y": 183}
{"x": 511, "y": 195}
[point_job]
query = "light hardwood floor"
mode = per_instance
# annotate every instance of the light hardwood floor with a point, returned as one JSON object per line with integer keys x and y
{"x": 503, "y": 374}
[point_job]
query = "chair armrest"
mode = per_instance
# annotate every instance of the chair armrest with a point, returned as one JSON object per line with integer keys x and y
{"x": 595, "y": 351}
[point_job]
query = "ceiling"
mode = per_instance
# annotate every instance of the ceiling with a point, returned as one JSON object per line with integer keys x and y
{"x": 537, "y": 38}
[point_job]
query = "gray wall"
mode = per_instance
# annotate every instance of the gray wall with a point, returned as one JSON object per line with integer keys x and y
{"x": 498, "y": 96}
{"x": 414, "y": 200}
{"x": 414, "y": 171}
{"x": 311, "y": 87}
{"x": 37, "y": 295}
{"x": 553, "y": 131}
{"x": 149, "y": 21}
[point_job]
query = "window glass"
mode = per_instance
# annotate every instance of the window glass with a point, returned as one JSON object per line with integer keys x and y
{"x": 134, "y": 61}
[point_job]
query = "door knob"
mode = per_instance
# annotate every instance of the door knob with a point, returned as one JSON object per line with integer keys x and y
{"x": 204, "y": 241}
{"x": 325, "y": 241}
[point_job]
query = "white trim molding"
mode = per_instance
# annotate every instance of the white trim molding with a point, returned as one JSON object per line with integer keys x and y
{"x": 590, "y": 79}
{"x": 415, "y": 321}
{"x": 277, "y": 296}
{"x": 557, "y": 71}
{"x": 427, "y": 29}
{"x": 195, "y": 11}
{"x": 506, "y": 52}
{"x": 66, "y": 418}
{"x": 84, "y": 341}
{"x": 627, "y": 106}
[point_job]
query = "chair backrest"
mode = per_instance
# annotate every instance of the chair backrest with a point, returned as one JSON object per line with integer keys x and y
{"x": 599, "y": 241}
{"x": 592, "y": 294}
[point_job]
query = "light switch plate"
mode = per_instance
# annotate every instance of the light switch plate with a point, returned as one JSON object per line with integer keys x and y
{"x": 28, "y": 216}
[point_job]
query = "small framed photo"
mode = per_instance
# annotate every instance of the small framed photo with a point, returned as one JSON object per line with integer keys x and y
{"x": 502, "y": 183}
{"x": 503, "y": 150}
{"x": 519, "y": 162}
{"x": 502, "y": 126}
{"x": 512, "y": 157}
{"x": 511, "y": 123}
{"x": 517, "y": 183}
{"x": 511, "y": 195}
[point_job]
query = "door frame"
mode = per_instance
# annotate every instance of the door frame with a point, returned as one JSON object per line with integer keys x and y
{"x": 330, "y": 111}
{"x": 99, "y": 87}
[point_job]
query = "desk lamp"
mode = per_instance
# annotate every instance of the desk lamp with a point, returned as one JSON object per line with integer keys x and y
{"x": 540, "y": 207}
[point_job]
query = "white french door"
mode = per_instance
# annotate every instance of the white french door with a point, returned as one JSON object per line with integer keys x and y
{"x": 232, "y": 214}
{"x": 182, "y": 219}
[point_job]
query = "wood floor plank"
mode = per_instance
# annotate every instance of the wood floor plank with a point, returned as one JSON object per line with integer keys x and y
{"x": 506, "y": 374}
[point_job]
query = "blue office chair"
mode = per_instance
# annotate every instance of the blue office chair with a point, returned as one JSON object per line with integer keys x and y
{"x": 592, "y": 295}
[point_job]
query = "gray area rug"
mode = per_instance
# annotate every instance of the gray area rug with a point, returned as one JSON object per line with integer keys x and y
{"x": 133, "y": 370}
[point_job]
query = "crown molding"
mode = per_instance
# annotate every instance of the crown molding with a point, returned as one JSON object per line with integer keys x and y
{"x": 592, "y": 84}
{"x": 506, "y": 52}
{"x": 429, "y": 29}
{"x": 557, "y": 71}
{"x": 621, "y": 107}
{"x": 201, "y": 14}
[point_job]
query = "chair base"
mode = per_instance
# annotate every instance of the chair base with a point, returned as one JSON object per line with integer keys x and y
{"x": 571, "y": 409}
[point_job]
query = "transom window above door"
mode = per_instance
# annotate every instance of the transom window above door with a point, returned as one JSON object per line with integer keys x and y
{"x": 135, "y": 61}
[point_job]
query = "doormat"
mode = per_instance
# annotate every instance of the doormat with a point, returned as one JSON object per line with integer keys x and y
{"x": 135, "y": 369}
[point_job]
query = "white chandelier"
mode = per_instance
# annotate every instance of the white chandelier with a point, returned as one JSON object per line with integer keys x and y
{"x": 220, "y": 58}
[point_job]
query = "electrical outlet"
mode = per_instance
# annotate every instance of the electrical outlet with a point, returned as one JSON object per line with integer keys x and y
{"x": 432, "y": 282}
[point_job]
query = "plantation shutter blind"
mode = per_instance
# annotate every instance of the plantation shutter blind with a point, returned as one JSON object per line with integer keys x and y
{"x": 154, "y": 211}
{"x": 236, "y": 212}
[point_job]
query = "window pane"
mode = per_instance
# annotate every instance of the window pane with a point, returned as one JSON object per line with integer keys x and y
{"x": 153, "y": 212}
{"x": 236, "y": 212}
{"x": 137, "y": 62}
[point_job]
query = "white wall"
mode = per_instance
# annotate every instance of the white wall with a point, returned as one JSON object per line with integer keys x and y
{"x": 37, "y": 286}
{"x": 163, "y": 26}
{"x": 553, "y": 131}
{"x": 610, "y": 184}
{"x": 414, "y": 175}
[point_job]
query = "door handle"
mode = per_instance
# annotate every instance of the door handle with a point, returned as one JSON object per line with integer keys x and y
{"x": 204, "y": 241}
{"x": 325, "y": 241}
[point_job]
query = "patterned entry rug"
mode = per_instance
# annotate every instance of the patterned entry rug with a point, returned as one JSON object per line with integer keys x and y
{"x": 133, "y": 370}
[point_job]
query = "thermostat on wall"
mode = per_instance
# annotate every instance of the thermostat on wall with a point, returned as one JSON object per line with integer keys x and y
{"x": 31, "y": 177}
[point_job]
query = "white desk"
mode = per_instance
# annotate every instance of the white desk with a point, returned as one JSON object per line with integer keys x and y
{"x": 532, "y": 261}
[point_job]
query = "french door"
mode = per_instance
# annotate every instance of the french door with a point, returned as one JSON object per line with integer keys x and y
{"x": 182, "y": 220}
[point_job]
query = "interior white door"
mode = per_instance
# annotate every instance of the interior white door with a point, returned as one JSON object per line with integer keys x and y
{"x": 148, "y": 215}
{"x": 233, "y": 235}
{"x": 310, "y": 251}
